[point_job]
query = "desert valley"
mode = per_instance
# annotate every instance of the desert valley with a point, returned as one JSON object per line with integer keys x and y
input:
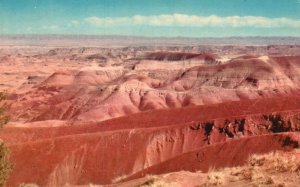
{"x": 149, "y": 112}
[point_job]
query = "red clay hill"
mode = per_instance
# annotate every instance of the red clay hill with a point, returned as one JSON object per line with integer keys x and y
{"x": 109, "y": 116}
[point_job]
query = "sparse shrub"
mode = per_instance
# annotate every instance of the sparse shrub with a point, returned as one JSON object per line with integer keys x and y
{"x": 2, "y": 96}
{"x": 268, "y": 181}
{"x": 28, "y": 185}
{"x": 155, "y": 181}
{"x": 3, "y": 118}
{"x": 5, "y": 165}
{"x": 215, "y": 178}
{"x": 279, "y": 185}
{"x": 261, "y": 170}
{"x": 261, "y": 178}
{"x": 247, "y": 174}
{"x": 256, "y": 160}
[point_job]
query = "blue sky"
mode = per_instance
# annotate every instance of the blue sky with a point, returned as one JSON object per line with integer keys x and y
{"x": 171, "y": 18}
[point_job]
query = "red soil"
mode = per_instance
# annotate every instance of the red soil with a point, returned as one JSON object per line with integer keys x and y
{"x": 147, "y": 142}
{"x": 109, "y": 125}
{"x": 228, "y": 154}
{"x": 101, "y": 95}
{"x": 160, "y": 118}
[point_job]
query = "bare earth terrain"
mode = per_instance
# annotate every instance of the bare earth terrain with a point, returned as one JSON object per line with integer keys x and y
{"x": 142, "y": 112}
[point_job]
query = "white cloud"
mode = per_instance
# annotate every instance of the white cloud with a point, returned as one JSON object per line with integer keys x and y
{"x": 50, "y": 27}
{"x": 75, "y": 22}
{"x": 194, "y": 21}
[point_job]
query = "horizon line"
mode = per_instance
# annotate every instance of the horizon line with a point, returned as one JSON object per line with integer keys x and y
{"x": 140, "y": 36}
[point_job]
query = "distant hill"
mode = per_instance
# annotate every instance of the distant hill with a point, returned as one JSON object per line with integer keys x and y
{"x": 105, "y": 41}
